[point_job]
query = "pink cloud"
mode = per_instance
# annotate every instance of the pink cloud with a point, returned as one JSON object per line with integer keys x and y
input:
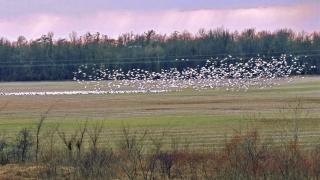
{"x": 114, "y": 23}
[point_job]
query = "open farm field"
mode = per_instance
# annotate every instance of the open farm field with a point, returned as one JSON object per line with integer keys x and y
{"x": 195, "y": 118}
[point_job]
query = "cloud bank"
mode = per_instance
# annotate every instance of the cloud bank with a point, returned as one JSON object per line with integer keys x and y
{"x": 116, "y": 22}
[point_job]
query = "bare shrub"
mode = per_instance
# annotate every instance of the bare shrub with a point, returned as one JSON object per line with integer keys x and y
{"x": 98, "y": 164}
{"x": 148, "y": 163}
{"x": 95, "y": 134}
{"x": 79, "y": 140}
{"x": 291, "y": 164}
{"x": 166, "y": 160}
{"x": 315, "y": 163}
{"x": 69, "y": 142}
{"x": 38, "y": 129}
{"x": 4, "y": 156}
{"x": 23, "y": 145}
{"x": 130, "y": 152}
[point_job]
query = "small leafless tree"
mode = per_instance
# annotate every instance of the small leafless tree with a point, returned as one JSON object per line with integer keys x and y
{"x": 68, "y": 141}
{"x": 23, "y": 144}
{"x": 39, "y": 126}
{"x": 131, "y": 150}
{"x": 94, "y": 134}
{"x": 79, "y": 140}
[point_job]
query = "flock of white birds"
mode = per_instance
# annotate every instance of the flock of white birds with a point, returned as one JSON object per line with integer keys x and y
{"x": 226, "y": 73}
{"x": 229, "y": 73}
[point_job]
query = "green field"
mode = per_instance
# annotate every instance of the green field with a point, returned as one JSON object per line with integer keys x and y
{"x": 197, "y": 118}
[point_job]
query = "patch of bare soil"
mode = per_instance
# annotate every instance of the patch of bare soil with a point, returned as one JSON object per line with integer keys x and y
{"x": 19, "y": 172}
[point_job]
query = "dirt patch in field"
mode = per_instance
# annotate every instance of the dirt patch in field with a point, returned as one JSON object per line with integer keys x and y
{"x": 17, "y": 172}
{"x": 13, "y": 171}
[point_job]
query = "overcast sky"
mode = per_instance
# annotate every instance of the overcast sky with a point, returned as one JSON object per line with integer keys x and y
{"x": 32, "y": 18}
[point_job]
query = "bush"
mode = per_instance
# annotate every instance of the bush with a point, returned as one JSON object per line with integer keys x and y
{"x": 4, "y": 159}
{"x": 98, "y": 164}
{"x": 23, "y": 145}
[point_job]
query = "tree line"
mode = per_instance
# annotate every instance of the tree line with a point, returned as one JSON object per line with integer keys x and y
{"x": 47, "y": 58}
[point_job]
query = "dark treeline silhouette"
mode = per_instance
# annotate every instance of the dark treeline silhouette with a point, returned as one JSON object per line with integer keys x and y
{"x": 47, "y": 58}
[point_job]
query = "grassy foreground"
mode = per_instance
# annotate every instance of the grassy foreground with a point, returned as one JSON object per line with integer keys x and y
{"x": 244, "y": 156}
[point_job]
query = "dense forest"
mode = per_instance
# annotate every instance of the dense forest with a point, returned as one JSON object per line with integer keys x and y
{"x": 47, "y": 58}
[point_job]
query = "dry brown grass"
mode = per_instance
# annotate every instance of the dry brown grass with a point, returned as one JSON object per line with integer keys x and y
{"x": 180, "y": 103}
{"x": 30, "y": 171}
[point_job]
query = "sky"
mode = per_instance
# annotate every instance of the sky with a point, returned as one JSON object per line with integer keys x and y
{"x": 33, "y": 18}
